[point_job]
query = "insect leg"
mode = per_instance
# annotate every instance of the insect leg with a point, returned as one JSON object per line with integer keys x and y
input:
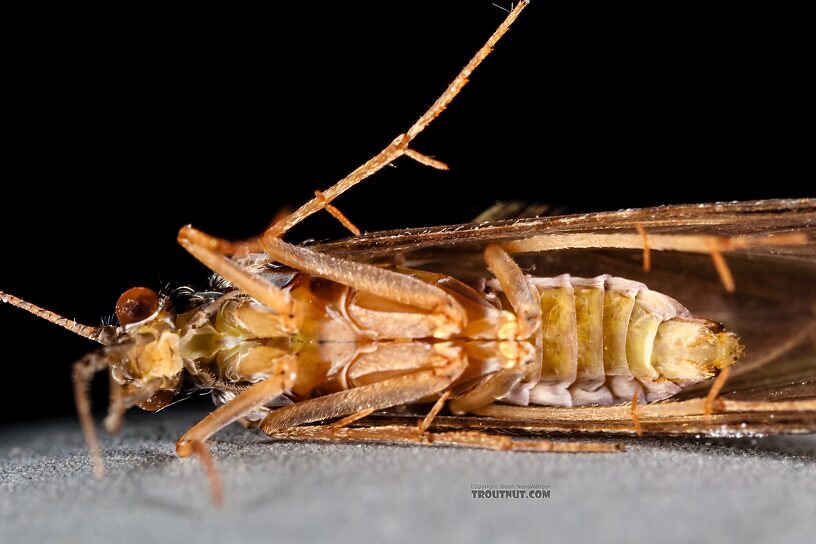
{"x": 120, "y": 402}
{"x": 722, "y": 267}
{"x": 374, "y": 280}
{"x": 635, "y": 416}
{"x": 691, "y": 243}
{"x": 346, "y": 421}
{"x": 716, "y": 387}
{"x": 83, "y": 372}
{"x": 207, "y": 463}
{"x": 647, "y": 250}
{"x": 519, "y": 292}
{"x": 716, "y": 255}
{"x": 399, "y": 146}
{"x": 245, "y": 247}
{"x": 525, "y": 301}
{"x": 283, "y": 422}
{"x": 378, "y": 396}
{"x": 395, "y": 358}
{"x": 248, "y": 400}
{"x": 425, "y": 423}
{"x": 205, "y": 249}
{"x": 193, "y": 441}
{"x": 337, "y": 214}
{"x": 492, "y": 388}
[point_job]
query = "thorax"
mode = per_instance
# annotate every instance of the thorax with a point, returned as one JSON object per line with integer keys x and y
{"x": 343, "y": 337}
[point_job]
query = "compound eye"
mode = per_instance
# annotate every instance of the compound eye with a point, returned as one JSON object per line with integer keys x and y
{"x": 136, "y": 305}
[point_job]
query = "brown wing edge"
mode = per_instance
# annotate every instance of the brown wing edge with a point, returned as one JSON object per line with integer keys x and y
{"x": 724, "y": 218}
{"x": 681, "y": 418}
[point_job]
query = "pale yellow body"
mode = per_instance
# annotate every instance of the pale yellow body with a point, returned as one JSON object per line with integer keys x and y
{"x": 602, "y": 340}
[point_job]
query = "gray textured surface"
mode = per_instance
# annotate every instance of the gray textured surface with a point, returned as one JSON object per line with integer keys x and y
{"x": 693, "y": 490}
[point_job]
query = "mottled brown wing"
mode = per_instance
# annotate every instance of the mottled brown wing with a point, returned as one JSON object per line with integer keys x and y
{"x": 773, "y": 309}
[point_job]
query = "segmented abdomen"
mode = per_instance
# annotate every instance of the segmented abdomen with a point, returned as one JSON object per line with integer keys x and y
{"x": 606, "y": 338}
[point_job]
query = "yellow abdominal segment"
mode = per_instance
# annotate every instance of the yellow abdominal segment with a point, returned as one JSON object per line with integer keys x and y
{"x": 606, "y": 339}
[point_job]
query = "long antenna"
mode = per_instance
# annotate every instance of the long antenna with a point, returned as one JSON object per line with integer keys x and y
{"x": 97, "y": 334}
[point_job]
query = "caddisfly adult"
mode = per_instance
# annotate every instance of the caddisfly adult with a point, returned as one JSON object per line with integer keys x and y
{"x": 318, "y": 342}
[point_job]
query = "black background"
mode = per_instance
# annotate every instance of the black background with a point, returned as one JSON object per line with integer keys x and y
{"x": 121, "y": 126}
